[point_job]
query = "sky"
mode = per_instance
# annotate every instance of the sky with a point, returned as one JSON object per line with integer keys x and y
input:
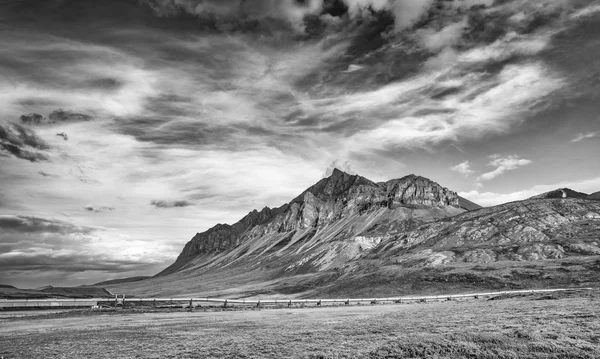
{"x": 126, "y": 126}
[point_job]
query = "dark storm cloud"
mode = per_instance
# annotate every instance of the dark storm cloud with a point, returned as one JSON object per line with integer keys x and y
{"x": 30, "y": 224}
{"x": 170, "y": 204}
{"x": 22, "y": 142}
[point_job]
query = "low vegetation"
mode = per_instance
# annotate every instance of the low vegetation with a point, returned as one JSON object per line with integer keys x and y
{"x": 538, "y": 326}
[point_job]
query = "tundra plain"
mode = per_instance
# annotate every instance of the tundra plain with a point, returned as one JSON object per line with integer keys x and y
{"x": 561, "y": 325}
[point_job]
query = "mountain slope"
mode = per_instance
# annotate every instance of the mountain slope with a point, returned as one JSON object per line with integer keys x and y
{"x": 561, "y": 193}
{"x": 331, "y": 212}
{"x": 347, "y": 235}
{"x": 517, "y": 231}
{"x": 468, "y": 205}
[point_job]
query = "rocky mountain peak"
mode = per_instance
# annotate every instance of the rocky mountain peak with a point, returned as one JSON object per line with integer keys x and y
{"x": 413, "y": 189}
{"x": 336, "y": 185}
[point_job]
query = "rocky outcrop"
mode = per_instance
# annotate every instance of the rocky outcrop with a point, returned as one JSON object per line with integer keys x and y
{"x": 321, "y": 208}
{"x": 220, "y": 237}
{"x": 595, "y": 195}
{"x": 536, "y": 229}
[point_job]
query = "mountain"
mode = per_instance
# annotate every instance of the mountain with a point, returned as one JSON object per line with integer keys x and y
{"x": 561, "y": 193}
{"x": 328, "y": 215}
{"x": 595, "y": 195}
{"x": 120, "y": 281}
{"x": 349, "y": 236}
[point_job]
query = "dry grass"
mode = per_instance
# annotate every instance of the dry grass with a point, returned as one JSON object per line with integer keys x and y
{"x": 522, "y": 327}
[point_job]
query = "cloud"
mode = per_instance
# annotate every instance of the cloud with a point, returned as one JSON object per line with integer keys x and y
{"x": 21, "y": 142}
{"x": 238, "y": 14}
{"x": 584, "y": 136}
{"x": 463, "y": 168}
{"x": 33, "y": 246}
{"x": 503, "y": 164}
{"x": 353, "y": 68}
{"x": 57, "y": 116}
{"x": 586, "y": 11}
{"x": 436, "y": 40}
{"x": 411, "y": 114}
{"x": 65, "y": 73}
{"x": 235, "y": 13}
{"x": 170, "y": 204}
{"x": 31, "y": 224}
{"x": 343, "y": 166}
{"x": 96, "y": 209}
{"x": 405, "y": 12}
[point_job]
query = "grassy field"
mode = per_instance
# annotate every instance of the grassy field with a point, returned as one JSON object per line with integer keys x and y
{"x": 539, "y": 326}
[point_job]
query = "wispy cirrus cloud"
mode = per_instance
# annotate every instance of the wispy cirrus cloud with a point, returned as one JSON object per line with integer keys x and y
{"x": 503, "y": 164}
{"x": 585, "y": 136}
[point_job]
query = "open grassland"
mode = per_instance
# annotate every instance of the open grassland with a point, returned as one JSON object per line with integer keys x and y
{"x": 535, "y": 326}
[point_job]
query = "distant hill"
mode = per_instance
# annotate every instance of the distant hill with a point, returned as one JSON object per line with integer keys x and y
{"x": 468, "y": 205}
{"x": 595, "y": 195}
{"x": 7, "y": 286}
{"x": 122, "y": 280}
{"x": 10, "y": 292}
{"x": 46, "y": 287}
{"x": 562, "y": 193}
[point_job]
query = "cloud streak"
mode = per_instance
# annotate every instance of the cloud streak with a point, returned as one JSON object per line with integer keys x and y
{"x": 585, "y": 136}
{"x": 23, "y": 143}
{"x": 170, "y": 204}
{"x": 503, "y": 164}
